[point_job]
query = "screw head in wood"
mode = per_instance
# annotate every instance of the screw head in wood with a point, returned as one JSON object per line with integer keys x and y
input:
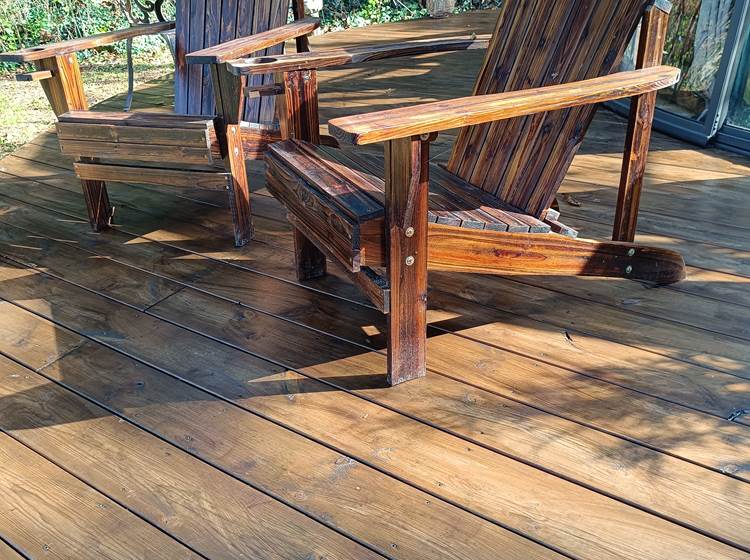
{"x": 631, "y": 252}
{"x": 409, "y": 260}
{"x": 236, "y": 151}
{"x": 409, "y": 232}
{"x": 628, "y": 269}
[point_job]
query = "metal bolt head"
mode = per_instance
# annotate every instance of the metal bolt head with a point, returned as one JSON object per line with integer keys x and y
{"x": 628, "y": 269}
{"x": 631, "y": 252}
{"x": 409, "y": 260}
{"x": 409, "y": 232}
{"x": 236, "y": 151}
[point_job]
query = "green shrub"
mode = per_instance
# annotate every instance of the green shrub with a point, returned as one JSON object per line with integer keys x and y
{"x": 25, "y": 23}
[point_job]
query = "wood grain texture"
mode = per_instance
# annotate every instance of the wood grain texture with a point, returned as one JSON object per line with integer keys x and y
{"x": 537, "y": 44}
{"x": 218, "y": 515}
{"x": 239, "y": 189}
{"x": 244, "y": 46}
{"x": 34, "y": 76}
{"x": 86, "y": 524}
{"x": 406, "y": 203}
{"x": 642, "y": 110}
{"x": 353, "y": 55}
{"x": 204, "y": 24}
{"x": 461, "y": 250}
{"x": 467, "y": 111}
{"x": 152, "y": 176}
{"x": 452, "y": 366}
{"x": 617, "y": 387}
{"x": 64, "y": 90}
{"x": 50, "y": 50}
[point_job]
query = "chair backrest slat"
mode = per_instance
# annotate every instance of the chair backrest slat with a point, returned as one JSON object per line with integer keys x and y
{"x": 538, "y": 43}
{"x": 205, "y": 23}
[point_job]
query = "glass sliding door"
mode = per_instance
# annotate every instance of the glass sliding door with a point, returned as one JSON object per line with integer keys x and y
{"x": 708, "y": 41}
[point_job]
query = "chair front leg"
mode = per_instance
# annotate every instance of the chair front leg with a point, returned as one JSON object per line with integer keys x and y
{"x": 298, "y": 118}
{"x": 406, "y": 201}
{"x": 229, "y": 93}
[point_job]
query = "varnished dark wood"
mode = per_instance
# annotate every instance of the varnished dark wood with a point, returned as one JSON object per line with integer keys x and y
{"x": 406, "y": 189}
{"x": 300, "y": 115}
{"x": 461, "y": 250}
{"x": 52, "y": 50}
{"x": 244, "y": 46}
{"x": 442, "y": 115}
{"x": 239, "y": 189}
{"x": 353, "y": 55}
{"x": 642, "y": 109}
{"x": 301, "y": 92}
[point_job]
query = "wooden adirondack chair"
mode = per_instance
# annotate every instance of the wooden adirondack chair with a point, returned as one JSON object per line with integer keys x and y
{"x": 219, "y": 120}
{"x": 547, "y": 65}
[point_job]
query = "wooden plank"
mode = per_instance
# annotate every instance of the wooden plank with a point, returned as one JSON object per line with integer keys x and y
{"x": 216, "y": 514}
{"x": 441, "y": 115}
{"x": 353, "y": 55}
{"x": 244, "y": 46}
{"x": 409, "y": 445}
{"x": 188, "y": 137}
{"x": 137, "y": 152}
{"x": 34, "y": 76}
{"x": 154, "y": 176}
{"x": 140, "y": 119}
{"x": 461, "y": 250}
{"x": 27, "y": 337}
{"x": 8, "y": 553}
{"x": 49, "y": 50}
{"x": 503, "y": 361}
{"x": 46, "y": 511}
{"x": 259, "y": 449}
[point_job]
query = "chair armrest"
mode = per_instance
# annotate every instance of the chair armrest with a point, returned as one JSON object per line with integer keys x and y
{"x": 252, "y": 43}
{"x": 403, "y": 122}
{"x": 50, "y": 50}
{"x": 354, "y": 55}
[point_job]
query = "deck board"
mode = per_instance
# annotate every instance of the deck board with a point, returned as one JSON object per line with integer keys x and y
{"x": 585, "y": 418}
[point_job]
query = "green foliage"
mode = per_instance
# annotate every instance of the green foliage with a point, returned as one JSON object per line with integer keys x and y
{"x": 340, "y": 14}
{"x": 25, "y": 23}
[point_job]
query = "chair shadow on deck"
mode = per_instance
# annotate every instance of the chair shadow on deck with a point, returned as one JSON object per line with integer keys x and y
{"x": 474, "y": 376}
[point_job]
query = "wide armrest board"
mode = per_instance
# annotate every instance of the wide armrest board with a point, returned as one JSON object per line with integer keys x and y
{"x": 354, "y": 55}
{"x": 380, "y": 126}
{"x": 31, "y": 54}
{"x": 252, "y": 43}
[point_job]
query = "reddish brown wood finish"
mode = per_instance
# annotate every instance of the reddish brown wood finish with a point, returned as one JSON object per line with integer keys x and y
{"x": 301, "y": 92}
{"x": 461, "y": 250}
{"x": 243, "y": 46}
{"x": 239, "y": 190}
{"x": 538, "y": 43}
{"x": 406, "y": 189}
{"x": 301, "y": 122}
{"x": 386, "y": 125}
{"x": 64, "y": 90}
{"x": 354, "y": 55}
{"x": 642, "y": 108}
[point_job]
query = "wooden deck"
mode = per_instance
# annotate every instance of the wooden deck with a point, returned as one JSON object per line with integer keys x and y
{"x": 164, "y": 395}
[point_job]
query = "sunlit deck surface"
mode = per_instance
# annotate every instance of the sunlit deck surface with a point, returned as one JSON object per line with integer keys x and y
{"x": 165, "y": 395}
